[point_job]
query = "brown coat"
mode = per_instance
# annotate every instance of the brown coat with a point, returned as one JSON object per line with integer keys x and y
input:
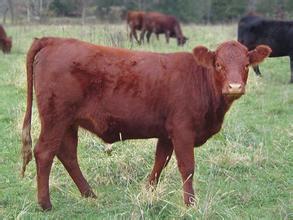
{"x": 179, "y": 98}
{"x": 159, "y": 23}
{"x": 134, "y": 20}
{"x": 5, "y": 42}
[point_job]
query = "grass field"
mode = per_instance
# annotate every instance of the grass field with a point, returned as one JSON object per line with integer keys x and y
{"x": 244, "y": 172}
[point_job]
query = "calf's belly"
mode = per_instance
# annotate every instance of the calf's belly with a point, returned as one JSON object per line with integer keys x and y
{"x": 111, "y": 131}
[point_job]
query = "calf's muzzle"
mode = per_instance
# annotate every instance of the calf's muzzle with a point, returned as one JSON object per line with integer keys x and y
{"x": 235, "y": 88}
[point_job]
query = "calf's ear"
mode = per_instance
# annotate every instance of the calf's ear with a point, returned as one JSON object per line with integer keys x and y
{"x": 204, "y": 57}
{"x": 257, "y": 55}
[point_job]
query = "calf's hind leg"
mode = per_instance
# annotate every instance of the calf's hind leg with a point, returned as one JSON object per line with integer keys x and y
{"x": 167, "y": 35}
{"x": 148, "y": 36}
{"x": 46, "y": 148}
{"x": 135, "y": 35}
{"x": 163, "y": 154}
{"x": 67, "y": 154}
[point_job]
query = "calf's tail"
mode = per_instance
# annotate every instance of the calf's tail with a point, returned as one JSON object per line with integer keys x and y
{"x": 26, "y": 150}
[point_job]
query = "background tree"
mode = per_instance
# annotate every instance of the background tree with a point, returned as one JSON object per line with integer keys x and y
{"x": 198, "y": 11}
{"x": 11, "y": 10}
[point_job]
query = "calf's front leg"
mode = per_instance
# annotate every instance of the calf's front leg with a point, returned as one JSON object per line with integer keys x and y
{"x": 141, "y": 39}
{"x": 148, "y": 36}
{"x": 256, "y": 70}
{"x": 167, "y": 35}
{"x": 183, "y": 147}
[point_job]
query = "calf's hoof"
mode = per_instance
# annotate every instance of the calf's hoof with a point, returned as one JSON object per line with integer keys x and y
{"x": 108, "y": 149}
{"x": 89, "y": 194}
{"x": 189, "y": 200}
{"x": 151, "y": 185}
{"x": 46, "y": 206}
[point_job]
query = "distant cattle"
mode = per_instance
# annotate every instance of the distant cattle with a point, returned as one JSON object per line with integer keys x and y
{"x": 5, "y": 42}
{"x": 154, "y": 22}
{"x": 134, "y": 21}
{"x": 180, "y": 98}
{"x": 254, "y": 30}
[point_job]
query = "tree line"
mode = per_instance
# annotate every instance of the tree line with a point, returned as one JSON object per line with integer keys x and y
{"x": 193, "y": 11}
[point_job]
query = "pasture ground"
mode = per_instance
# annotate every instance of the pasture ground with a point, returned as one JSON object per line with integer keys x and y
{"x": 244, "y": 172}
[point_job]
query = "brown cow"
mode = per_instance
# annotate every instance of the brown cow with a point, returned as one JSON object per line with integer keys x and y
{"x": 134, "y": 21}
{"x": 179, "y": 98}
{"x": 5, "y": 42}
{"x": 159, "y": 23}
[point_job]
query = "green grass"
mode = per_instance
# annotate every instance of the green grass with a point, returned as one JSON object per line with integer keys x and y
{"x": 244, "y": 172}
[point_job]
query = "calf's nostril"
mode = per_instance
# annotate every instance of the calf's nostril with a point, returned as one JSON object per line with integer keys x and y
{"x": 235, "y": 87}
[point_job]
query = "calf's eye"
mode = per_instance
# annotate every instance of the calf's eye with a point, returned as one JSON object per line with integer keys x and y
{"x": 219, "y": 66}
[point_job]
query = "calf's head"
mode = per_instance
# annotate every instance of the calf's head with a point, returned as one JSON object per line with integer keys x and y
{"x": 181, "y": 40}
{"x": 230, "y": 64}
{"x": 6, "y": 44}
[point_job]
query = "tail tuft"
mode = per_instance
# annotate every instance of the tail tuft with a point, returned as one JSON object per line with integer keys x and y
{"x": 26, "y": 150}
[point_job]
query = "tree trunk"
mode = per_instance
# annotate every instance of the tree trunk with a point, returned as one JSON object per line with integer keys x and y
{"x": 4, "y": 15}
{"x": 209, "y": 11}
{"x": 251, "y": 7}
{"x": 41, "y": 6}
{"x": 41, "y": 12}
{"x": 11, "y": 9}
{"x": 83, "y": 12}
{"x": 28, "y": 11}
{"x": 280, "y": 10}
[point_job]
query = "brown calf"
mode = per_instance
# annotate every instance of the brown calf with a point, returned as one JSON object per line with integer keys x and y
{"x": 5, "y": 42}
{"x": 159, "y": 23}
{"x": 134, "y": 21}
{"x": 179, "y": 98}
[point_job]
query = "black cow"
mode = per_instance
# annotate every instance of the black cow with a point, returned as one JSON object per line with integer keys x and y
{"x": 254, "y": 30}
